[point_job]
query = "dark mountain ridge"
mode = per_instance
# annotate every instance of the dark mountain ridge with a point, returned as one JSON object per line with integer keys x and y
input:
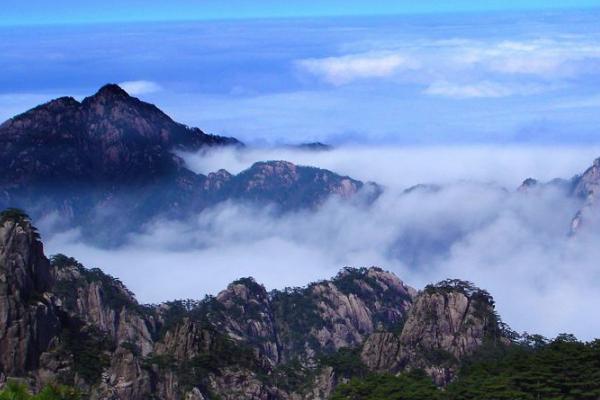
{"x": 108, "y": 137}
{"x": 88, "y": 161}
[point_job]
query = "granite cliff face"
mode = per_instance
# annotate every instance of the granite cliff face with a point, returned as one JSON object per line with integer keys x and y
{"x": 87, "y": 161}
{"x": 63, "y": 322}
{"x": 447, "y": 322}
{"x": 28, "y": 317}
{"x": 301, "y": 323}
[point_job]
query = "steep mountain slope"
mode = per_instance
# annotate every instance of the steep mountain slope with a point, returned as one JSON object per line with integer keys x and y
{"x": 65, "y": 323}
{"x": 585, "y": 187}
{"x": 88, "y": 161}
{"x": 28, "y": 317}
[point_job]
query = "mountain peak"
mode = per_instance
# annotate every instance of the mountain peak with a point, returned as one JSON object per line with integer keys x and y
{"x": 111, "y": 90}
{"x": 527, "y": 184}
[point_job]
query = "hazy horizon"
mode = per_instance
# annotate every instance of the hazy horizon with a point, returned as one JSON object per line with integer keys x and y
{"x": 437, "y": 79}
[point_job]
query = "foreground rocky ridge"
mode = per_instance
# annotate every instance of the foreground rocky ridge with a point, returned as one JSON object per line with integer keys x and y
{"x": 64, "y": 323}
{"x": 86, "y": 161}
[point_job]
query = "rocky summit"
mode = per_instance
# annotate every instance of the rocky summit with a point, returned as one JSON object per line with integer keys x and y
{"x": 61, "y": 322}
{"x": 109, "y": 136}
{"x": 87, "y": 161}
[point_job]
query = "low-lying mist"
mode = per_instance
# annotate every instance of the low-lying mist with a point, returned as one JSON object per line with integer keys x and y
{"x": 475, "y": 226}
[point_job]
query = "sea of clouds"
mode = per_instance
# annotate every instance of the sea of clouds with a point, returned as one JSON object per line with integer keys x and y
{"x": 473, "y": 225}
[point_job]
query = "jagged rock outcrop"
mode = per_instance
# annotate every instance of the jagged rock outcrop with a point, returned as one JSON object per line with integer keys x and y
{"x": 104, "y": 302}
{"x": 589, "y": 182}
{"x": 125, "y": 378}
{"x": 330, "y": 315}
{"x": 290, "y": 186}
{"x": 587, "y": 187}
{"x": 446, "y": 323}
{"x": 215, "y": 181}
{"x": 382, "y": 352}
{"x": 64, "y": 323}
{"x": 245, "y": 314}
{"x": 28, "y": 319}
{"x": 527, "y": 185}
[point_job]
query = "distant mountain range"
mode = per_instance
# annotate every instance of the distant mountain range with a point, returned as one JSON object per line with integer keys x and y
{"x": 89, "y": 160}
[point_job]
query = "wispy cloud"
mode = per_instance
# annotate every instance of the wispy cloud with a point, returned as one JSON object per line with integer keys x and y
{"x": 135, "y": 88}
{"x": 542, "y": 57}
{"x": 466, "y": 68}
{"x": 485, "y": 89}
{"x": 348, "y": 68}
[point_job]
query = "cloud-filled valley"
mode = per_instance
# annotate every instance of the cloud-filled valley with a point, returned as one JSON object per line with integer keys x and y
{"x": 467, "y": 221}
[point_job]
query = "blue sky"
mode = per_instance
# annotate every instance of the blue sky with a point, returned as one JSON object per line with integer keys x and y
{"x": 495, "y": 77}
{"x": 23, "y": 12}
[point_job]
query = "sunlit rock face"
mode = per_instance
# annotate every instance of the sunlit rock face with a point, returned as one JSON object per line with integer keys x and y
{"x": 446, "y": 323}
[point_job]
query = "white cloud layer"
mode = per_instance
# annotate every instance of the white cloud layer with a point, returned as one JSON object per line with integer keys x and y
{"x": 401, "y": 167}
{"x": 463, "y": 68}
{"x": 513, "y": 244}
{"x": 136, "y": 88}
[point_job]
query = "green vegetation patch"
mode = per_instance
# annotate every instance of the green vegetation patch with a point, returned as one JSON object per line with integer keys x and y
{"x": 18, "y": 391}
{"x": 411, "y": 386}
{"x": 89, "y": 347}
{"x": 298, "y": 313}
{"x": 530, "y": 369}
{"x": 21, "y": 218}
{"x": 345, "y": 362}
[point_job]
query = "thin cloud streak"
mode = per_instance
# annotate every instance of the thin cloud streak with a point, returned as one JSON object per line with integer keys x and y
{"x": 462, "y": 68}
{"x": 485, "y": 89}
{"x": 345, "y": 69}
